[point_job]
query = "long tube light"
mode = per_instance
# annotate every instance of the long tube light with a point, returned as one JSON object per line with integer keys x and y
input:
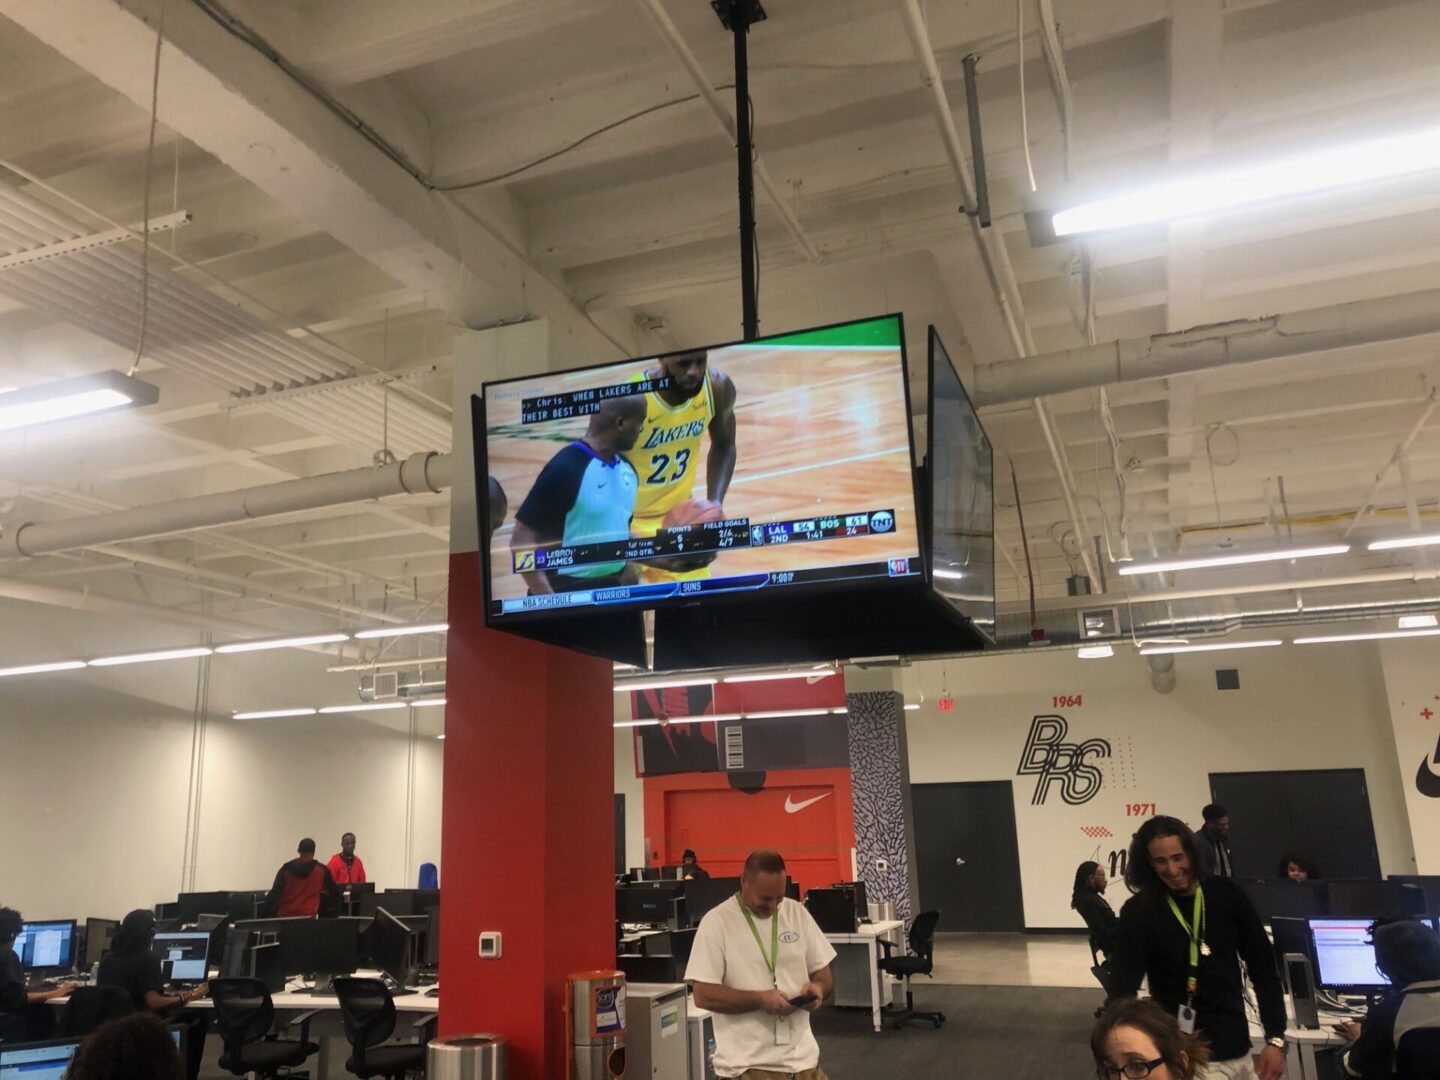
{"x": 1416, "y": 540}
{"x": 65, "y": 399}
{"x": 149, "y": 657}
{"x": 40, "y": 669}
{"x": 1300, "y": 174}
{"x": 660, "y": 684}
{"x": 815, "y": 675}
{"x": 282, "y": 643}
{"x": 1378, "y": 635}
{"x": 373, "y": 706}
{"x": 1216, "y": 646}
{"x": 1095, "y": 652}
{"x": 403, "y": 631}
{"x": 1242, "y": 558}
{"x": 272, "y": 714}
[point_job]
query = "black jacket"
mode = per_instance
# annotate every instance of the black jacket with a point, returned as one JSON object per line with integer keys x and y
{"x": 1100, "y": 918}
{"x": 1401, "y": 1036}
{"x": 1153, "y": 943}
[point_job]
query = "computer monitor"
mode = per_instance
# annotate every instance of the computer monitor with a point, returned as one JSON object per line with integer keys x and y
{"x": 1345, "y": 956}
{"x": 190, "y": 906}
{"x": 184, "y": 955}
{"x": 233, "y": 964}
{"x": 392, "y": 948}
{"x": 648, "y": 903}
{"x": 856, "y": 889}
{"x": 792, "y": 888}
{"x": 645, "y": 873}
{"x": 832, "y": 909}
{"x": 1296, "y": 899}
{"x": 1290, "y": 936}
{"x": 703, "y": 894}
{"x": 99, "y": 933}
{"x": 49, "y": 1060}
{"x": 47, "y": 946}
{"x": 409, "y": 901}
{"x": 432, "y": 940}
{"x": 1358, "y": 899}
{"x": 320, "y": 946}
{"x": 1429, "y": 886}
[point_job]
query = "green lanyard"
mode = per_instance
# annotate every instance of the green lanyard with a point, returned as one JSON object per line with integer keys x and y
{"x": 774, "y": 954}
{"x": 1195, "y": 930}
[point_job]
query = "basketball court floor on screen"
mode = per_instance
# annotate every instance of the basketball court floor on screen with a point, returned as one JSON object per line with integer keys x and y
{"x": 823, "y": 434}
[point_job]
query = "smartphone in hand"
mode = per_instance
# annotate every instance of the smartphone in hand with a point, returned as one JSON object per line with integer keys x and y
{"x": 803, "y": 1000}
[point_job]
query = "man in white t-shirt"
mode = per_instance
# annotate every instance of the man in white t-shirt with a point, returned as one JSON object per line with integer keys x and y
{"x": 753, "y": 957}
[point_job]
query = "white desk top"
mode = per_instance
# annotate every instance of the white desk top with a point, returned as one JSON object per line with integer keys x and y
{"x": 296, "y": 1000}
{"x": 866, "y": 932}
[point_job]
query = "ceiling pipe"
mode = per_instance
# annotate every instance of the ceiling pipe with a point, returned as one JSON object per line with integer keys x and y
{"x": 1162, "y": 672}
{"x": 991, "y": 245}
{"x": 420, "y": 474}
{"x": 1398, "y": 457}
{"x": 1244, "y": 341}
{"x": 34, "y": 592}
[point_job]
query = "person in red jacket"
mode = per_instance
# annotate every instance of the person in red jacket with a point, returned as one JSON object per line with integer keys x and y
{"x": 303, "y": 887}
{"x": 346, "y": 867}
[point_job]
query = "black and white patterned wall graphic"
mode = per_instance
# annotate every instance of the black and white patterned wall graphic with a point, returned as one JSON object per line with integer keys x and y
{"x": 880, "y": 786}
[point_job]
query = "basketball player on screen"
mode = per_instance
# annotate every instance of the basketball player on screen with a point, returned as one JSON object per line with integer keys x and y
{"x": 666, "y": 454}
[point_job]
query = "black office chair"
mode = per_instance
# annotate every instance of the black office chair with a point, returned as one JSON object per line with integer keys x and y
{"x": 369, "y": 1014}
{"x": 245, "y": 1014}
{"x": 91, "y": 1006}
{"x": 921, "y": 961}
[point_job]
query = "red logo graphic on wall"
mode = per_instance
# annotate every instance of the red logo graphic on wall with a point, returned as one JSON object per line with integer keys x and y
{"x": 1096, "y": 832}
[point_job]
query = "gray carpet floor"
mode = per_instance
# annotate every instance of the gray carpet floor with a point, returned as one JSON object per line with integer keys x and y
{"x": 990, "y": 1031}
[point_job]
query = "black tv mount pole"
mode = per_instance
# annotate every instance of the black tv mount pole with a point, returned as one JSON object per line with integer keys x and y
{"x": 737, "y": 17}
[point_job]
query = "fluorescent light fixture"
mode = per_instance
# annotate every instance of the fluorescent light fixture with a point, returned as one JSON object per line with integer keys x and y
{"x": 842, "y": 711}
{"x": 1415, "y": 540}
{"x": 282, "y": 643}
{"x": 41, "y": 669}
{"x": 637, "y": 723}
{"x": 1377, "y": 635}
{"x": 771, "y": 714}
{"x": 660, "y": 684}
{"x": 65, "y": 399}
{"x": 814, "y": 674}
{"x": 148, "y": 657}
{"x": 1095, "y": 652}
{"x": 1299, "y": 174}
{"x": 403, "y": 631}
{"x": 371, "y": 706}
{"x": 272, "y": 714}
{"x": 428, "y": 703}
{"x": 1241, "y": 558}
{"x": 912, "y": 707}
{"x": 441, "y": 736}
{"x": 708, "y": 719}
{"x": 1418, "y": 622}
{"x": 1213, "y": 646}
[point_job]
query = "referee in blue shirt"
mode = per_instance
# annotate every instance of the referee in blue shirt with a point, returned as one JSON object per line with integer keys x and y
{"x": 584, "y": 495}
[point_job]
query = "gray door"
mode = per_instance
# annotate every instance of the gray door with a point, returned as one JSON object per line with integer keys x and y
{"x": 967, "y": 855}
{"x": 1322, "y": 813}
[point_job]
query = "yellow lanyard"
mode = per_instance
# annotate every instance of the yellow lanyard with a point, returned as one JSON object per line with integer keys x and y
{"x": 774, "y": 954}
{"x": 1195, "y": 930}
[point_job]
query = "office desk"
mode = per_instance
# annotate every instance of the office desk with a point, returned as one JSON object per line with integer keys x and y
{"x": 858, "y": 982}
{"x": 1301, "y": 1043}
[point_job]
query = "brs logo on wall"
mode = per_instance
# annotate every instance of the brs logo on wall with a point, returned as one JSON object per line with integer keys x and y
{"x": 1052, "y": 760}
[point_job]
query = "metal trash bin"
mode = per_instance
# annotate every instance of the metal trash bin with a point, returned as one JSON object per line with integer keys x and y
{"x": 467, "y": 1057}
{"x": 595, "y": 1018}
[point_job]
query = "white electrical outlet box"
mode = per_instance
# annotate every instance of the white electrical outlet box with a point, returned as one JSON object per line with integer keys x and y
{"x": 490, "y": 945}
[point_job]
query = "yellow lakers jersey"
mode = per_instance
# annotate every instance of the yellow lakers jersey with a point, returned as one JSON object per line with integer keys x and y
{"x": 667, "y": 454}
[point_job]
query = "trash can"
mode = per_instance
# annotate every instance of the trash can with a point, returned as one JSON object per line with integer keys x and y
{"x": 595, "y": 1003}
{"x": 467, "y": 1057}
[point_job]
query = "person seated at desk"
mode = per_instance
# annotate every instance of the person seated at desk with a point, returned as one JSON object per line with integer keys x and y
{"x": 345, "y": 866}
{"x": 136, "y": 1047}
{"x": 133, "y": 965}
{"x": 1298, "y": 867}
{"x": 1136, "y": 1039}
{"x": 303, "y": 887}
{"x": 1401, "y": 1033}
{"x": 690, "y": 868}
{"x": 24, "y": 1014}
{"x": 1088, "y": 898}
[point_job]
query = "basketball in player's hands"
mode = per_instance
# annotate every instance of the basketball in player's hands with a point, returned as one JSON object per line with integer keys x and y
{"x": 694, "y": 512}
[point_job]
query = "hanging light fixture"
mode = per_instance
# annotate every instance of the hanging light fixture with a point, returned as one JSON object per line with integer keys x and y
{"x": 65, "y": 399}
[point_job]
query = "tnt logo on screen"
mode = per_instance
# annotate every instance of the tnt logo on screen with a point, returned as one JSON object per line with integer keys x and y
{"x": 882, "y": 521}
{"x": 899, "y": 567}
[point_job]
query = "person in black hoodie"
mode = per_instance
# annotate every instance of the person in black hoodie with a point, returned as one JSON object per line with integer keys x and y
{"x": 132, "y": 965}
{"x": 1187, "y": 931}
{"x": 303, "y": 887}
{"x": 24, "y": 1014}
{"x": 1401, "y": 1033}
{"x": 1088, "y": 898}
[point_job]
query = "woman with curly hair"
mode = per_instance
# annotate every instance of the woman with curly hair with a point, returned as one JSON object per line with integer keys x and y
{"x": 1139, "y": 1039}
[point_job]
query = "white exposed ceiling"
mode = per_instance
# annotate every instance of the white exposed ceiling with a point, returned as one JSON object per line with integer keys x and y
{"x": 311, "y": 255}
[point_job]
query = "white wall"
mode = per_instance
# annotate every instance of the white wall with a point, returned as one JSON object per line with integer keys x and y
{"x": 1413, "y": 685}
{"x": 629, "y": 785}
{"x": 1298, "y": 708}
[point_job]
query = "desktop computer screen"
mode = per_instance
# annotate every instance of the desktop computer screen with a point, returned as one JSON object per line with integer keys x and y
{"x": 702, "y": 894}
{"x": 392, "y": 947}
{"x": 99, "y": 933}
{"x": 46, "y": 946}
{"x": 184, "y": 955}
{"x": 1344, "y": 955}
{"x": 49, "y": 1060}
{"x": 320, "y": 946}
{"x": 856, "y": 889}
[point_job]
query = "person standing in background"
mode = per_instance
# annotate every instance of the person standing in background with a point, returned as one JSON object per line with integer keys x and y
{"x": 1213, "y": 841}
{"x": 303, "y": 887}
{"x": 345, "y": 866}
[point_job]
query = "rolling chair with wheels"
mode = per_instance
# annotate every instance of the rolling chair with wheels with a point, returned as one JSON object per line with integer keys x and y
{"x": 91, "y": 1006}
{"x": 1101, "y": 971}
{"x": 921, "y": 961}
{"x": 368, "y": 1011}
{"x": 244, "y": 1014}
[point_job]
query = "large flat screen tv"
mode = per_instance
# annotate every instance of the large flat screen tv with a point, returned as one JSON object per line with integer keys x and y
{"x": 772, "y": 467}
{"x": 961, "y": 469}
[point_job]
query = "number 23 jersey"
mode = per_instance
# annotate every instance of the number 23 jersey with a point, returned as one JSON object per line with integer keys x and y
{"x": 667, "y": 454}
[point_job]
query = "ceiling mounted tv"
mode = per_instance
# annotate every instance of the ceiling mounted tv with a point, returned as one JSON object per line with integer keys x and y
{"x": 960, "y": 465}
{"x": 772, "y": 467}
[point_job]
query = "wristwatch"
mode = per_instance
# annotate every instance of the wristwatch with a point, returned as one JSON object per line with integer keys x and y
{"x": 1276, "y": 1041}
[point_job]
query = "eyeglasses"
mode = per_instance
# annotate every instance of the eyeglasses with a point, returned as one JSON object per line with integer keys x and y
{"x": 1132, "y": 1070}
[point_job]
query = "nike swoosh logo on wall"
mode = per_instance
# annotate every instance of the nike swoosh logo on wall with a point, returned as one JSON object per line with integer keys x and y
{"x": 1426, "y": 782}
{"x": 793, "y": 807}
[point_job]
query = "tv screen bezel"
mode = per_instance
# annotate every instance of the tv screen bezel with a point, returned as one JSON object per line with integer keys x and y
{"x": 482, "y": 502}
{"x": 933, "y": 344}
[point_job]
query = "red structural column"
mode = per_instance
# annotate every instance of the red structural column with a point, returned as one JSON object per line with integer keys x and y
{"x": 528, "y": 840}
